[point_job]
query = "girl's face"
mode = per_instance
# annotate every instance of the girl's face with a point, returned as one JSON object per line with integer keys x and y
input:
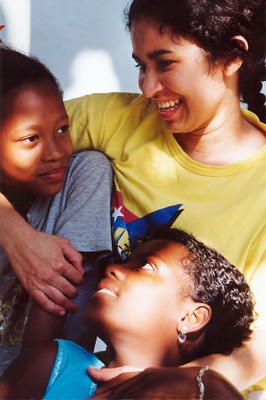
{"x": 35, "y": 143}
{"x": 174, "y": 75}
{"x": 145, "y": 297}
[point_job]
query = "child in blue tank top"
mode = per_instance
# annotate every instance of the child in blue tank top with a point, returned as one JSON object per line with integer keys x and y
{"x": 164, "y": 306}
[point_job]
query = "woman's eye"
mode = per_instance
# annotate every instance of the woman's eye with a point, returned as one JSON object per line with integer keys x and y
{"x": 164, "y": 64}
{"x": 141, "y": 67}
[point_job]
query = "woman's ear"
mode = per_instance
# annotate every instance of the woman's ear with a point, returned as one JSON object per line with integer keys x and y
{"x": 196, "y": 318}
{"x": 233, "y": 66}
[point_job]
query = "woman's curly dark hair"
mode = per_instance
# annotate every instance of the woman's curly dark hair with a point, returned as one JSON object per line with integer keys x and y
{"x": 216, "y": 282}
{"x": 213, "y": 24}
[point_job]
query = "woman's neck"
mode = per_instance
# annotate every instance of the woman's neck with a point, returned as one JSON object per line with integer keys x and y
{"x": 233, "y": 141}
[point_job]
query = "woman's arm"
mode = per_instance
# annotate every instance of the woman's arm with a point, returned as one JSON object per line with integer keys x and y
{"x": 244, "y": 367}
{"x": 170, "y": 383}
{"x": 48, "y": 266}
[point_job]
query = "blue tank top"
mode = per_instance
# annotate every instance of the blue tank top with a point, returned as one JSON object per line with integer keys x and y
{"x": 69, "y": 378}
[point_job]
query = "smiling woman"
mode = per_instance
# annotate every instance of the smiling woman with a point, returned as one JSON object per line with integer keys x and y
{"x": 185, "y": 154}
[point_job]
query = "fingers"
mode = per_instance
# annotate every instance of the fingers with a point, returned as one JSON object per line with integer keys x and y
{"x": 106, "y": 374}
{"x": 47, "y": 304}
{"x": 53, "y": 279}
{"x": 50, "y": 270}
{"x": 61, "y": 275}
{"x": 71, "y": 274}
{"x": 73, "y": 257}
{"x": 114, "y": 383}
{"x": 116, "y": 389}
{"x": 53, "y": 301}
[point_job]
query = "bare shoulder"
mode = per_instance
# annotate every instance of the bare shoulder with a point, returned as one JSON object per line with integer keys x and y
{"x": 28, "y": 376}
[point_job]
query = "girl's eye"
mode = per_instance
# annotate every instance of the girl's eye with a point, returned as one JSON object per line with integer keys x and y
{"x": 30, "y": 139}
{"x": 147, "y": 266}
{"x": 63, "y": 129}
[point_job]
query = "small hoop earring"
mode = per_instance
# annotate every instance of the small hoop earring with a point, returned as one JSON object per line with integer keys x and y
{"x": 182, "y": 335}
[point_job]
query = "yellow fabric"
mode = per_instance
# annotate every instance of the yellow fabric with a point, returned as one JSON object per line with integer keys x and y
{"x": 224, "y": 206}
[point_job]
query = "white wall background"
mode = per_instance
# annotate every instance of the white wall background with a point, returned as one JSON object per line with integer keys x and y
{"x": 83, "y": 42}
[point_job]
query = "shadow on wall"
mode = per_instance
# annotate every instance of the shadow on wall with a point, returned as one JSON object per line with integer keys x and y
{"x": 91, "y": 71}
{"x": 85, "y": 44}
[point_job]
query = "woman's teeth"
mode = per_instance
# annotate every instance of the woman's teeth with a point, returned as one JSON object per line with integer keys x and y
{"x": 169, "y": 105}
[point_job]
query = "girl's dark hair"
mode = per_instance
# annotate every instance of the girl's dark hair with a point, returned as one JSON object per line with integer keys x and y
{"x": 213, "y": 24}
{"x": 18, "y": 70}
{"x": 216, "y": 282}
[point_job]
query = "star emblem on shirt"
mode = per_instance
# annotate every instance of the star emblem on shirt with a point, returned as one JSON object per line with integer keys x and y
{"x": 117, "y": 213}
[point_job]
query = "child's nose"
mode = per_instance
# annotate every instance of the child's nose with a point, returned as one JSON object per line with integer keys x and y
{"x": 117, "y": 271}
{"x": 53, "y": 150}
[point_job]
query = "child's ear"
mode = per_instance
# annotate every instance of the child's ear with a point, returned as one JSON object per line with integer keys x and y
{"x": 233, "y": 66}
{"x": 197, "y": 317}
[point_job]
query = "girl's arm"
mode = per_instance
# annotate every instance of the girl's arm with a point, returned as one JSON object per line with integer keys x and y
{"x": 48, "y": 266}
{"x": 27, "y": 377}
{"x": 41, "y": 327}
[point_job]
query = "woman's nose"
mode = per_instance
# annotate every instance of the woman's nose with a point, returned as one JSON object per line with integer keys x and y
{"x": 149, "y": 84}
{"x": 116, "y": 271}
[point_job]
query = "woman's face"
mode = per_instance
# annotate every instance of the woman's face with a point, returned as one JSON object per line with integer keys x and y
{"x": 35, "y": 143}
{"x": 145, "y": 297}
{"x": 174, "y": 75}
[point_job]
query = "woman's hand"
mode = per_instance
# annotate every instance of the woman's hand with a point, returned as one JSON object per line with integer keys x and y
{"x": 162, "y": 383}
{"x": 110, "y": 377}
{"x": 48, "y": 267}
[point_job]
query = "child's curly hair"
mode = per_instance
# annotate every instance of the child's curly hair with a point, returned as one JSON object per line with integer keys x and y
{"x": 216, "y": 282}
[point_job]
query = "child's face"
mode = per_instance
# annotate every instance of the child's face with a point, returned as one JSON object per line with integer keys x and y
{"x": 145, "y": 296}
{"x": 35, "y": 143}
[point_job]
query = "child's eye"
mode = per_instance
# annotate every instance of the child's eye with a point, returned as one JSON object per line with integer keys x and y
{"x": 30, "y": 139}
{"x": 147, "y": 266}
{"x": 63, "y": 129}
